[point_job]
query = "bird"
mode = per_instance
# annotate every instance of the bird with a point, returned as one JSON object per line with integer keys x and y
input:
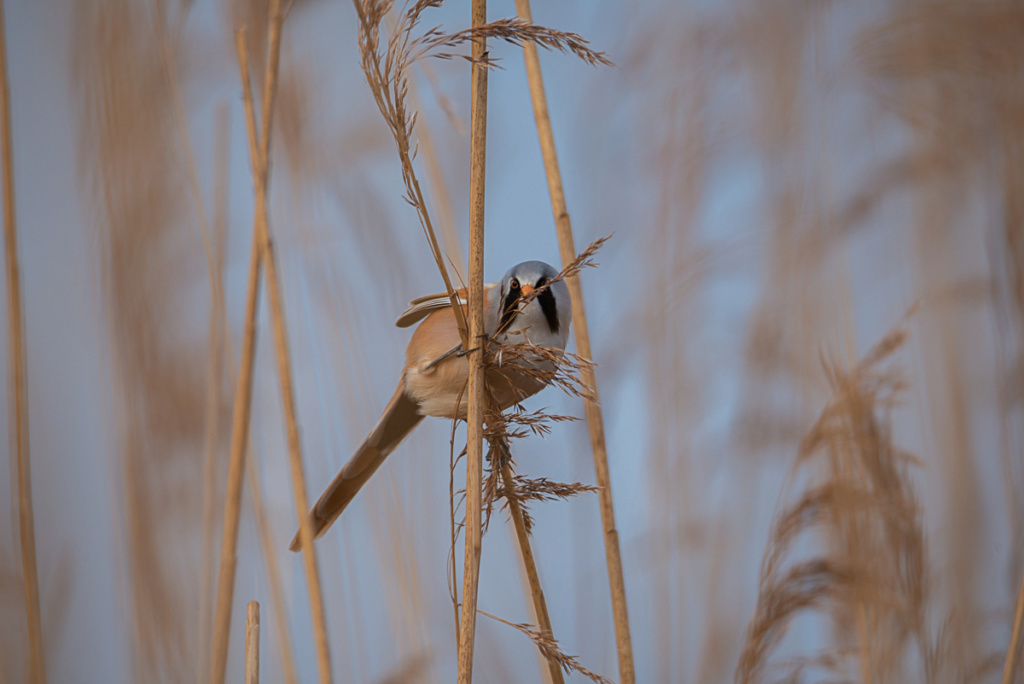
{"x": 436, "y": 370}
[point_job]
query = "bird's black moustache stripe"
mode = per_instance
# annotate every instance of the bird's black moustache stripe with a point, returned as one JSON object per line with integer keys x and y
{"x": 546, "y": 299}
{"x": 509, "y": 309}
{"x": 547, "y": 305}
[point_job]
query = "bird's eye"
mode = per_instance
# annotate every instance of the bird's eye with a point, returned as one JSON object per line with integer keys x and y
{"x": 541, "y": 283}
{"x": 514, "y": 285}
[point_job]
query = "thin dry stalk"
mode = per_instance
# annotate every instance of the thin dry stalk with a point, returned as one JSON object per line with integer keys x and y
{"x": 540, "y": 606}
{"x": 214, "y": 253}
{"x": 542, "y": 662}
{"x": 592, "y": 406}
{"x": 518, "y": 32}
{"x": 18, "y": 385}
{"x": 220, "y": 353}
{"x": 453, "y": 580}
{"x": 260, "y": 165}
{"x": 252, "y": 643}
{"x": 181, "y": 124}
{"x": 216, "y": 350}
{"x": 239, "y": 440}
{"x": 477, "y": 389}
{"x": 270, "y": 561}
{"x": 1010, "y": 667}
{"x": 243, "y": 393}
{"x": 549, "y": 647}
{"x": 397, "y": 546}
{"x": 388, "y": 80}
{"x": 435, "y": 177}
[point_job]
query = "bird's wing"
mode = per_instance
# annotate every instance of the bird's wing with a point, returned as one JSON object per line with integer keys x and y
{"x": 400, "y": 417}
{"x": 421, "y": 306}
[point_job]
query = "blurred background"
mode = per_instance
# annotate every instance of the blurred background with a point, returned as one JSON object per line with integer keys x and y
{"x": 784, "y": 179}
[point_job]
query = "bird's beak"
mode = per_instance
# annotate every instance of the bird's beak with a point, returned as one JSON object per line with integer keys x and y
{"x": 526, "y": 289}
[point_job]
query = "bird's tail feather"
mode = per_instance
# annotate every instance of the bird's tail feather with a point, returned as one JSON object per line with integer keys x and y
{"x": 400, "y": 417}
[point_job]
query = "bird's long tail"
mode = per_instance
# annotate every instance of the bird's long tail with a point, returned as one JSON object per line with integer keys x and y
{"x": 400, "y": 417}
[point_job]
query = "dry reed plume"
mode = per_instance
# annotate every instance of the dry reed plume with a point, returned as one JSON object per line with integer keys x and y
{"x": 871, "y": 579}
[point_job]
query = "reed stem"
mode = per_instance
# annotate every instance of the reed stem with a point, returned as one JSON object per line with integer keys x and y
{"x": 217, "y": 351}
{"x": 252, "y": 643}
{"x": 261, "y": 163}
{"x": 224, "y": 355}
{"x": 592, "y": 406}
{"x": 18, "y": 382}
{"x": 540, "y": 606}
{"x": 239, "y": 438}
{"x": 277, "y": 603}
{"x": 475, "y": 432}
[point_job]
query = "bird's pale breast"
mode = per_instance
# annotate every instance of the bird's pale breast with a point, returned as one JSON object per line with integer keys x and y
{"x": 439, "y": 387}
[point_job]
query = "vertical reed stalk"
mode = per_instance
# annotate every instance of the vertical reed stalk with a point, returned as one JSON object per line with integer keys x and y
{"x": 216, "y": 353}
{"x": 1010, "y": 666}
{"x": 18, "y": 384}
{"x": 475, "y": 431}
{"x": 252, "y": 643}
{"x": 542, "y": 659}
{"x": 181, "y": 124}
{"x": 213, "y": 253}
{"x": 260, "y": 158}
{"x": 451, "y": 520}
{"x": 592, "y": 406}
{"x": 221, "y": 354}
{"x": 540, "y": 606}
{"x": 277, "y": 605}
{"x": 239, "y": 442}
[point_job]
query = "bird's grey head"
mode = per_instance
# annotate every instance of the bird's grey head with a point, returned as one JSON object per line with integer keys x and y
{"x": 550, "y": 309}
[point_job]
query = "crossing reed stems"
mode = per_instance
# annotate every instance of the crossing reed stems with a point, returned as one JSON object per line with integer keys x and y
{"x": 239, "y": 445}
{"x": 260, "y": 165}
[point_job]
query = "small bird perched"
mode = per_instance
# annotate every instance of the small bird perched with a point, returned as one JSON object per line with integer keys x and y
{"x": 436, "y": 370}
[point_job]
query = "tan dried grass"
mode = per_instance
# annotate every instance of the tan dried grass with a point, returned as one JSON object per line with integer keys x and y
{"x": 130, "y": 166}
{"x": 18, "y": 384}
